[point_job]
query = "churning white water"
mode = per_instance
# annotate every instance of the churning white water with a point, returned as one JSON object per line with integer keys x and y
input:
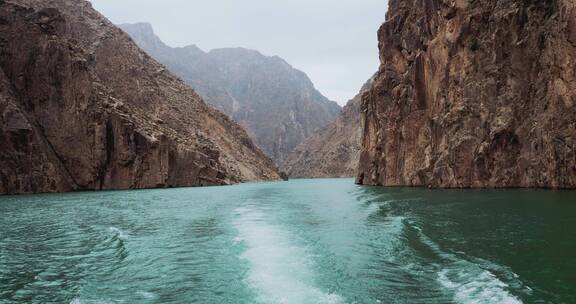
{"x": 279, "y": 270}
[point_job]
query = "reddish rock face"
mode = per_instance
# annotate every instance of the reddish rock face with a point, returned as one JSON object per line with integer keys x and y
{"x": 473, "y": 94}
{"x": 83, "y": 108}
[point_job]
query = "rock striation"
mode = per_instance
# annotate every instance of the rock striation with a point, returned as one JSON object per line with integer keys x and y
{"x": 83, "y": 108}
{"x": 332, "y": 151}
{"x": 276, "y": 103}
{"x": 473, "y": 94}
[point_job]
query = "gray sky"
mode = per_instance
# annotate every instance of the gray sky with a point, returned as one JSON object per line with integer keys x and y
{"x": 333, "y": 41}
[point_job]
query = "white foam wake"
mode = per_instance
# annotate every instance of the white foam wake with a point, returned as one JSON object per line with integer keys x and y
{"x": 472, "y": 285}
{"x": 280, "y": 272}
{"x": 469, "y": 281}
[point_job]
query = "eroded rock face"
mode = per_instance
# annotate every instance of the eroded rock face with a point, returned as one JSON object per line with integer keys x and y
{"x": 276, "y": 103}
{"x": 334, "y": 150}
{"x": 83, "y": 108}
{"x": 473, "y": 94}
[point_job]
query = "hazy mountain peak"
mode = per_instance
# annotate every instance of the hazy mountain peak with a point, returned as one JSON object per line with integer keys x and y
{"x": 278, "y": 104}
{"x": 141, "y": 26}
{"x": 237, "y": 50}
{"x": 144, "y": 33}
{"x": 192, "y": 48}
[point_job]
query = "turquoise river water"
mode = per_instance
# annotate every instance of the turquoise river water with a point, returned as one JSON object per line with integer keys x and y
{"x": 303, "y": 241}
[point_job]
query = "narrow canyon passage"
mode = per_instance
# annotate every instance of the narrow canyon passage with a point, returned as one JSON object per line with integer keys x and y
{"x": 304, "y": 241}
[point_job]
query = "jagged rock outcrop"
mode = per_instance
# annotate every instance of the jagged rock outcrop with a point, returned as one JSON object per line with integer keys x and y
{"x": 277, "y": 104}
{"x": 473, "y": 94}
{"x": 332, "y": 151}
{"x": 83, "y": 108}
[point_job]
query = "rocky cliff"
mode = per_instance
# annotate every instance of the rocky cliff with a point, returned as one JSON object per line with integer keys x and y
{"x": 277, "y": 104}
{"x": 473, "y": 94}
{"x": 83, "y": 108}
{"x": 332, "y": 151}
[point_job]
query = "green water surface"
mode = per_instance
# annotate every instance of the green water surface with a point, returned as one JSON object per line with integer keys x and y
{"x": 303, "y": 241}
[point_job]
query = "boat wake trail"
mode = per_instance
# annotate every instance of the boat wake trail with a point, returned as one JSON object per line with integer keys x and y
{"x": 280, "y": 271}
{"x": 475, "y": 286}
{"x": 472, "y": 280}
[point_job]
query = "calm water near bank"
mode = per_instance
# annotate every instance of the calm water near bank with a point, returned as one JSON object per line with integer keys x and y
{"x": 303, "y": 241}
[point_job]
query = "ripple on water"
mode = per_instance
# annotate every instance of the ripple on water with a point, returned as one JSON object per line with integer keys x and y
{"x": 280, "y": 271}
{"x": 119, "y": 233}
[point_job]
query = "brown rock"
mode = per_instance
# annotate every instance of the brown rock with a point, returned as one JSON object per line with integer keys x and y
{"x": 83, "y": 108}
{"x": 332, "y": 151}
{"x": 473, "y": 94}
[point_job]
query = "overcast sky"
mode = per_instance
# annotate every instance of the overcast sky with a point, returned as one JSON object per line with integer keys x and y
{"x": 333, "y": 41}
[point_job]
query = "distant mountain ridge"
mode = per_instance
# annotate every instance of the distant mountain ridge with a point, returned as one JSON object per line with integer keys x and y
{"x": 276, "y": 103}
